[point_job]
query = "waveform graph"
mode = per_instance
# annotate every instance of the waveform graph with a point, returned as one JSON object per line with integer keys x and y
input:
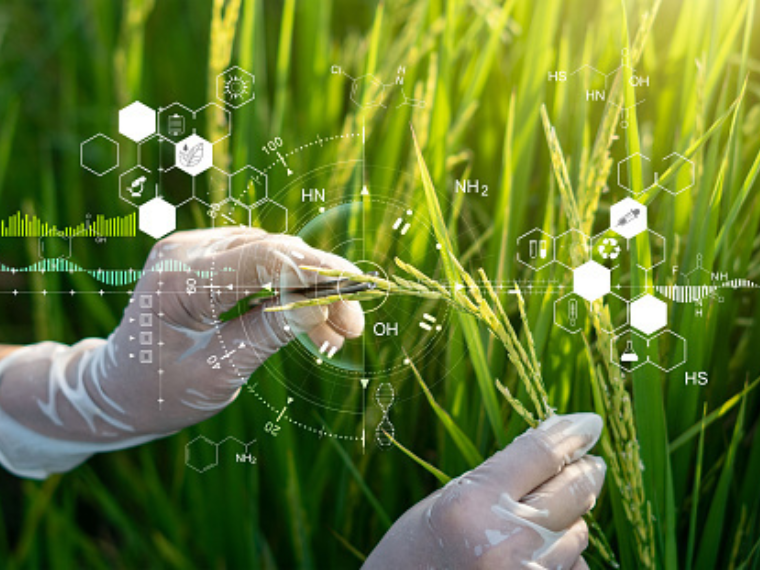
{"x": 696, "y": 293}
{"x": 686, "y": 293}
{"x": 24, "y": 225}
{"x": 740, "y": 283}
{"x": 111, "y": 277}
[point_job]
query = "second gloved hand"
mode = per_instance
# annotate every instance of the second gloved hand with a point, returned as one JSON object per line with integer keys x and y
{"x": 521, "y": 508}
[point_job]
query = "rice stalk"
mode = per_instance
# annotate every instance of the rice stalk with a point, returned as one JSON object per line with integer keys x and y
{"x": 474, "y": 304}
{"x": 622, "y": 447}
{"x": 525, "y": 362}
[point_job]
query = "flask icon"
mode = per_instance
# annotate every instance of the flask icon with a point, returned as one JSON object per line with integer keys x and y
{"x": 629, "y": 355}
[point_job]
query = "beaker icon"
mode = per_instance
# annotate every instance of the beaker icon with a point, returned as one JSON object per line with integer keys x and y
{"x": 176, "y": 125}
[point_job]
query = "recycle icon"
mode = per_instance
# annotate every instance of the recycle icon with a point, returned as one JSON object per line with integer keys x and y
{"x": 609, "y": 248}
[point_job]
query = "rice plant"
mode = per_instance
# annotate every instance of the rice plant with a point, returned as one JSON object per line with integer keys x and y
{"x": 684, "y": 458}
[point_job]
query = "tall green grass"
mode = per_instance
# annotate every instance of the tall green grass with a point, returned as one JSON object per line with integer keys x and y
{"x": 684, "y": 460}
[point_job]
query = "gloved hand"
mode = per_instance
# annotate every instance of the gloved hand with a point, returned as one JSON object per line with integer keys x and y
{"x": 162, "y": 368}
{"x": 521, "y": 508}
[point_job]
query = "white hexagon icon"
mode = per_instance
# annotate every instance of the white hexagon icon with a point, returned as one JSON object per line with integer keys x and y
{"x": 157, "y": 218}
{"x": 194, "y": 155}
{"x": 137, "y": 121}
{"x": 592, "y": 281}
{"x": 628, "y": 218}
{"x": 648, "y": 314}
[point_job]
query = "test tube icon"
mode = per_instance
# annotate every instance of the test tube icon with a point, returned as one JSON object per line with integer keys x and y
{"x": 544, "y": 249}
{"x": 572, "y": 311}
{"x": 533, "y": 249}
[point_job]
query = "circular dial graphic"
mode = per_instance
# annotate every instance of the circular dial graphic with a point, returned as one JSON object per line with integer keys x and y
{"x": 396, "y": 328}
{"x": 371, "y": 228}
{"x": 370, "y": 233}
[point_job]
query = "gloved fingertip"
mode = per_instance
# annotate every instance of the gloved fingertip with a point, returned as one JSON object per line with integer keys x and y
{"x": 347, "y": 318}
{"x": 575, "y": 434}
{"x": 578, "y": 423}
{"x": 327, "y": 339}
{"x": 306, "y": 319}
{"x": 587, "y": 418}
{"x": 600, "y": 463}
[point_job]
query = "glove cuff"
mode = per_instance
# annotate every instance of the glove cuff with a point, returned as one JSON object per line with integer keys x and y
{"x": 48, "y": 384}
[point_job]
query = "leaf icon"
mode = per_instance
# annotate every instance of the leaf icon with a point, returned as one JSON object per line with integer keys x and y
{"x": 191, "y": 157}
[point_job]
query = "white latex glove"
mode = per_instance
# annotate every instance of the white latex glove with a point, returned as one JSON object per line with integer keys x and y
{"x": 60, "y": 404}
{"x": 521, "y": 508}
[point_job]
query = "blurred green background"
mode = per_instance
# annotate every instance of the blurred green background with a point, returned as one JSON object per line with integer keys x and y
{"x": 482, "y": 67}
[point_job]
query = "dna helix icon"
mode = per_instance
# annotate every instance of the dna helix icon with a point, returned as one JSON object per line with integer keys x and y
{"x": 384, "y": 432}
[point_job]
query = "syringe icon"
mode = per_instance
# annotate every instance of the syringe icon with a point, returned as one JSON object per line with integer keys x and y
{"x": 629, "y": 217}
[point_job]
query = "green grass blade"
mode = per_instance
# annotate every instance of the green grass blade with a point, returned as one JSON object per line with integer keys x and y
{"x": 721, "y": 412}
{"x": 695, "y": 493}
{"x": 471, "y": 331}
{"x": 714, "y": 529}
{"x": 460, "y": 439}
{"x": 373, "y": 500}
{"x": 434, "y": 471}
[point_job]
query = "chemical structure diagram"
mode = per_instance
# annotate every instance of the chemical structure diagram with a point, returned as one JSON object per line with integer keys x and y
{"x": 652, "y": 178}
{"x": 600, "y": 95}
{"x": 202, "y": 454}
{"x": 637, "y": 324}
{"x": 701, "y": 284}
{"x": 367, "y": 91}
{"x": 176, "y": 162}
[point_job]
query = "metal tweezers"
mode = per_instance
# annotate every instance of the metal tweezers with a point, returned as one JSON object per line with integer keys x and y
{"x": 341, "y": 286}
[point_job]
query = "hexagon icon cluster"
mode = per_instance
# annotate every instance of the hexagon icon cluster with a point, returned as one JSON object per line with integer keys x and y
{"x": 176, "y": 151}
{"x": 55, "y": 247}
{"x": 592, "y": 261}
{"x": 639, "y": 325}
